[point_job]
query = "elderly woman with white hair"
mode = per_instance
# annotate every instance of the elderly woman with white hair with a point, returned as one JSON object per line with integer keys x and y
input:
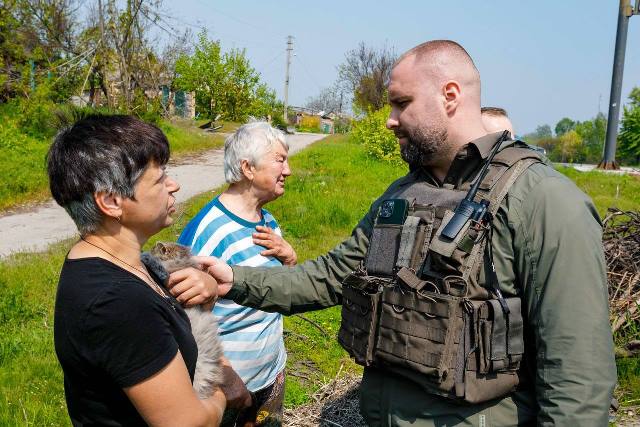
{"x": 235, "y": 228}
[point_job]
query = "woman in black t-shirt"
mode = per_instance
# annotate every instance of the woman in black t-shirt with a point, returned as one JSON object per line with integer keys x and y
{"x": 124, "y": 342}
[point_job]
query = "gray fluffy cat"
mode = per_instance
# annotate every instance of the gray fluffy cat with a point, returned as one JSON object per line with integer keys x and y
{"x": 164, "y": 259}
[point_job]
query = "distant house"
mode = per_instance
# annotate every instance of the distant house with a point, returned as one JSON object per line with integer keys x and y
{"x": 179, "y": 103}
{"x": 324, "y": 120}
{"x": 326, "y": 123}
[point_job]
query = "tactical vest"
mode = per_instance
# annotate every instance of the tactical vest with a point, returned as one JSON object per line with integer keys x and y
{"x": 424, "y": 306}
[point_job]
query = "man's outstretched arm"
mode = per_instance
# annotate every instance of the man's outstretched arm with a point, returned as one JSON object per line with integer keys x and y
{"x": 312, "y": 285}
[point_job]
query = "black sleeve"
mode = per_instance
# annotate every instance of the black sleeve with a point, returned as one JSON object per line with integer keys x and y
{"x": 129, "y": 334}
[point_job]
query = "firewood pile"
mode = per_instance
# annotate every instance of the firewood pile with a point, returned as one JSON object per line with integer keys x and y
{"x": 622, "y": 252}
{"x": 335, "y": 404}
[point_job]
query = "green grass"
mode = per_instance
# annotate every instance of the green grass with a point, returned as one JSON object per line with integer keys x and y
{"x": 23, "y": 176}
{"x": 332, "y": 185}
{"x": 606, "y": 189}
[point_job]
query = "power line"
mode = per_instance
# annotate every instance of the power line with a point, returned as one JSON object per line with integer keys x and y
{"x": 279, "y": 36}
{"x": 304, "y": 68}
{"x": 271, "y": 61}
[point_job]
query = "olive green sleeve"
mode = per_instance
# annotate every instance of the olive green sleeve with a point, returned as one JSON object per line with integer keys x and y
{"x": 312, "y": 285}
{"x": 559, "y": 264}
{"x": 309, "y": 286}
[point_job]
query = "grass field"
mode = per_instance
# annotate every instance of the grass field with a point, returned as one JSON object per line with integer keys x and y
{"x": 332, "y": 185}
{"x": 22, "y": 157}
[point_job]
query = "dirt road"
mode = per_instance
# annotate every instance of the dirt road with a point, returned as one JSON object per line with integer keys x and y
{"x": 36, "y": 228}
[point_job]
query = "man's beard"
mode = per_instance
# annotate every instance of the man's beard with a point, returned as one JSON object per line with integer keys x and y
{"x": 423, "y": 145}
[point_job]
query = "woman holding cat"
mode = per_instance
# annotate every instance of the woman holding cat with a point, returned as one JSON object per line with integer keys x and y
{"x": 235, "y": 228}
{"x": 123, "y": 341}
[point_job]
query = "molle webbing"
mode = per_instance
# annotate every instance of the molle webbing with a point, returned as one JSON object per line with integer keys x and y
{"x": 419, "y": 308}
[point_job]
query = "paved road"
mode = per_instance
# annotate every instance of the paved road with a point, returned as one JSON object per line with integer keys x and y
{"x": 48, "y": 223}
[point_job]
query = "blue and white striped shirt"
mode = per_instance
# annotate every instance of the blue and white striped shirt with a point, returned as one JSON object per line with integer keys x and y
{"x": 252, "y": 339}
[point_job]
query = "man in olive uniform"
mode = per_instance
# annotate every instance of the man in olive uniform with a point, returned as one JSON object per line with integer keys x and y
{"x": 546, "y": 246}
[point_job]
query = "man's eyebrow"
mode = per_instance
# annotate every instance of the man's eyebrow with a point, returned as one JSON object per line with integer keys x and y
{"x": 398, "y": 97}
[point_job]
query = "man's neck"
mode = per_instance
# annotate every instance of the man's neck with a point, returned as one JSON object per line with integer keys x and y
{"x": 456, "y": 139}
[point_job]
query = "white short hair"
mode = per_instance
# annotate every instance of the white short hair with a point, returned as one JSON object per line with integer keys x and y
{"x": 251, "y": 142}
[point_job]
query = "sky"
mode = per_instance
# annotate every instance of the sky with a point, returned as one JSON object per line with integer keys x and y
{"x": 540, "y": 60}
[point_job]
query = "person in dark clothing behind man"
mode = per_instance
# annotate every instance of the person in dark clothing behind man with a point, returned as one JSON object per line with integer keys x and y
{"x": 445, "y": 340}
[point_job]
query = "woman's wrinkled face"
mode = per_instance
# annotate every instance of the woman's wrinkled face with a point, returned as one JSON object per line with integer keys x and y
{"x": 270, "y": 173}
{"x": 150, "y": 210}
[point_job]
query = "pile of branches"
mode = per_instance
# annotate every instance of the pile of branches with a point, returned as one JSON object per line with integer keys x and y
{"x": 622, "y": 252}
{"x": 335, "y": 404}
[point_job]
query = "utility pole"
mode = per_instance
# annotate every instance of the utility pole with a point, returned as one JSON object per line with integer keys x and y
{"x": 286, "y": 78}
{"x": 624, "y": 13}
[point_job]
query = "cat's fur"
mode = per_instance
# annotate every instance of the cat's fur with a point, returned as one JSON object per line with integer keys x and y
{"x": 164, "y": 259}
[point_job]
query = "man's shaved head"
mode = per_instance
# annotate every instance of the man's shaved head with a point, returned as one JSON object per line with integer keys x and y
{"x": 445, "y": 60}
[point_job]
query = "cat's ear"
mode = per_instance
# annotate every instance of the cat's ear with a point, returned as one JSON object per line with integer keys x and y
{"x": 162, "y": 248}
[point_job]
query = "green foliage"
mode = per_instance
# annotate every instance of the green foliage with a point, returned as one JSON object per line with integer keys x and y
{"x": 224, "y": 83}
{"x": 564, "y": 126}
{"x": 629, "y": 138}
{"x": 379, "y": 142}
{"x": 568, "y": 147}
{"x": 25, "y": 142}
{"x": 585, "y": 146}
{"x": 309, "y": 124}
{"x": 592, "y": 132}
{"x": 543, "y": 131}
{"x": 342, "y": 125}
{"x": 202, "y": 73}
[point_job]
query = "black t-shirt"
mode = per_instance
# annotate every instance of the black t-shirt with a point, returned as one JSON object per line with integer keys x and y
{"x": 111, "y": 330}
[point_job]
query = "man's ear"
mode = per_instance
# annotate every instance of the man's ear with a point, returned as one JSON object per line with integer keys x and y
{"x": 247, "y": 169}
{"x": 109, "y": 204}
{"x": 451, "y": 93}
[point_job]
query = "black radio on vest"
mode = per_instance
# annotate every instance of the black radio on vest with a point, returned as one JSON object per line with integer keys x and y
{"x": 468, "y": 208}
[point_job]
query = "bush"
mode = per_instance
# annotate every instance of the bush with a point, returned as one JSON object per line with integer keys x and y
{"x": 379, "y": 142}
{"x": 309, "y": 124}
{"x": 342, "y": 125}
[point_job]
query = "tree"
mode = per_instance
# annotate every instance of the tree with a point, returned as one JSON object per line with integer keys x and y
{"x": 365, "y": 73}
{"x": 569, "y": 146}
{"x": 224, "y": 83}
{"x": 239, "y": 85}
{"x": 202, "y": 73}
{"x": 543, "y": 131}
{"x": 328, "y": 100}
{"x": 592, "y": 133}
{"x": 629, "y": 137}
{"x": 564, "y": 126}
{"x": 36, "y": 36}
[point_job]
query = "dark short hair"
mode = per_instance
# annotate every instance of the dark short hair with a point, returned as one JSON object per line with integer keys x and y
{"x": 494, "y": 111}
{"x": 101, "y": 153}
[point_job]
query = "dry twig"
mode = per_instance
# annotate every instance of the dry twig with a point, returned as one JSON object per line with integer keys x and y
{"x": 335, "y": 404}
{"x": 622, "y": 252}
